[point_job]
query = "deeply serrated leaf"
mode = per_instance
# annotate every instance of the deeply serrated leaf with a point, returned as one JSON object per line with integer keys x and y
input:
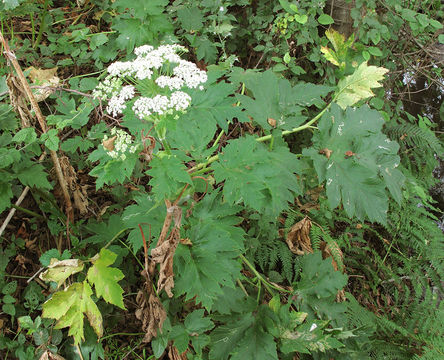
{"x": 264, "y": 180}
{"x": 169, "y": 176}
{"x": 361, "y": 162}
{"x": 69, "y": 307}
{"x": 358, "y": 85}
{"x": 210, "y": 263}
{"x": 105, "y": 279}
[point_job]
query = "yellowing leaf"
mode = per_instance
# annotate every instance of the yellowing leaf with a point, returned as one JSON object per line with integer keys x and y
{"x": 358, "y": 85}
{"x": 105, "y": 278}
{"x": 59, "y": 270}
{"x": 69, "y": 306}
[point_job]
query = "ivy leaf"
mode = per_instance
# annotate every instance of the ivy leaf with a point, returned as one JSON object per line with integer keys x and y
{"x": 264, "y": 180}
{"x": 105, "y": 279}
{"x": 210, "y": 262}
{"x": 357, "y": 161}
{"x": 358, "y": 85}
{"x": 69, "y": 307}
{"x": 59, "y": 270}
{"x": 168, "y": 176}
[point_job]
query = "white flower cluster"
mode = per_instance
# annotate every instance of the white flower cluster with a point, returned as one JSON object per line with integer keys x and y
{"x": 120, "y": 145}
{"x": 165, "y": 68}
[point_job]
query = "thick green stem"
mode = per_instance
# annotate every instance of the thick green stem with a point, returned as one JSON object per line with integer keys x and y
{"x": 307, "y": 125}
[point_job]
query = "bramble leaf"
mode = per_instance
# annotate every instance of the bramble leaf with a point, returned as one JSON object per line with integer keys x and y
{"x": 105, "y": 279}
{"x": 357, "y": 161}
{"x": 69, "y": 307}
{"x": 358, "y": 85}
{"x": 264, "y": 180}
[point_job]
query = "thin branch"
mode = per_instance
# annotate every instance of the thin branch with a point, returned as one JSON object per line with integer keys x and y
{"x": 62, "y": 181}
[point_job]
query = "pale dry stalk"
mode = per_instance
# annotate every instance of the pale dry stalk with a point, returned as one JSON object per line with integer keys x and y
{"x": 41, "y": 119}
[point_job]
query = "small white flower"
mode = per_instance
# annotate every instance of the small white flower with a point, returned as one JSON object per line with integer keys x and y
{"x": 313, "y": 327}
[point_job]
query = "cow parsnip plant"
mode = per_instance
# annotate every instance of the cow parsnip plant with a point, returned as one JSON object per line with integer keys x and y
{"x": 183, "y": 107}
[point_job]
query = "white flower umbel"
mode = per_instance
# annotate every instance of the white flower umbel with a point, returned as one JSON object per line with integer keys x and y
{"x": 159, "y": 72}
{"x": 120, "y": 144}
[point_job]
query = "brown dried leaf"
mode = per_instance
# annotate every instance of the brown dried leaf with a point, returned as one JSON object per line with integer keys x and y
{"x": 80, "y": 201}
{"x": 326, "y": 152}
{"x": 272, "y": 122}
{"x": 173, "y": 353}
{"x": 108, "y": 144}
{"x": 186, "y": 242}
{"x": 43, "y": 77}
{"x": 327, "y": 250}
{"x": 150, "y": 310}
{"x": 298, "y": 238}
{"x": 163, "y": 253}
{"x": 48, "y": 355}
{"x": 17, "y": 97}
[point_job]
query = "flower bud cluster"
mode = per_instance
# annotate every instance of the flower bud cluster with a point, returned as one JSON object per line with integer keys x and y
{"x": 119, "y": 144}
{"x": 167, "y": 73}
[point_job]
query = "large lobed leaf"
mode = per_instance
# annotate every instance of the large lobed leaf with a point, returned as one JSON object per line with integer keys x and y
{"x": 263, "y": 180}
{"x": 203, "y": 268}
{"x": 358, "y": 85}
{"x": 275, "y": 103}
{"x": 68, "y": 308}
{"x": 105, "y": 278}
{"x": 357, "y": 161}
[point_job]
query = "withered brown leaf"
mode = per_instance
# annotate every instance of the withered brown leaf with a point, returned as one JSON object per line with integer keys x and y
{"x": 298, "y": 238}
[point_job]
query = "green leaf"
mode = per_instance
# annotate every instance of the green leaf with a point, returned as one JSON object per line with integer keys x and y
{"x": 5, "y": 196}
{"x": 8, "y": 309}
{"x": 69, "y": 307}
{"x": 149, "y": 214}
{"x": 264, "y": 180}
{"x": 358, "y": 85}
{"x": 196, "y": 322}
{"x": 105, "y": 279}
{"x": 104, "y": 231}
{"x": 244, "y": 337}
{"x": 374, "y": 51}
{"x": 191, "y": 18}
{"x": 32, "y": 174}
{"x": 275, "y": 98}
{"x": 301, "y": 19}
{"x": 26, "y": 135}
{"x": 51, "y": 139}
{"x": 318, "y": 286}
{"x": 357, "y": 161}
{"x": 325, "y": 19}
{"x": 441, "y": 38}
{"x": 169, "y": 176}
{"x": 9, "y": 288}
{"x": 71, "y": 145}
{"x": 210, "y": 263}
{"x": 59, "y": 270}
{"x": 11, "y": 4}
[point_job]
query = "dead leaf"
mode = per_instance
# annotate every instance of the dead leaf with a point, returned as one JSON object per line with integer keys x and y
{"x": 150, "y": 310}
{"x": 80, "y": 201}
{"x": 327, "y": 251}
{"x": 31, "y": 245}
{"x": 271, "y": 122}
{"x": 298, "y": 238}
{"x": 326, "y": 152}
{"x": 48, "y": 355}
{"x": 43, "y": 77}
{"x": 173, "y": 353}
{"x": 186, "y": 242}
{"x": 163, "y": 253}
{"x": 17, "y": 97}
{"x": 108, "y": 144}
